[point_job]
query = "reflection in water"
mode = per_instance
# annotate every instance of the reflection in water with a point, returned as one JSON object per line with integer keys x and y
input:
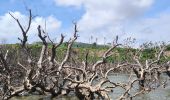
{"x": 158, "y": 94}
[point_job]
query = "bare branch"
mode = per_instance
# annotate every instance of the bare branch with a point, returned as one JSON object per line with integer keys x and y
{"x": 54, "y": 47}
{"x": 104, "y": 57}
{"x": 69, "y": 48}
{"x": 44, "y": 47}
{"x": 24, "y": 32}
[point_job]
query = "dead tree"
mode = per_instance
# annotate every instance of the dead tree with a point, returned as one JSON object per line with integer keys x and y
{"x": 45, "y": 75}
{"x": 150, "y": 68}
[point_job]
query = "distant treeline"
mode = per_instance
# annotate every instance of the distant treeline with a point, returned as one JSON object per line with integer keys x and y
{"x": 80, "y": 49}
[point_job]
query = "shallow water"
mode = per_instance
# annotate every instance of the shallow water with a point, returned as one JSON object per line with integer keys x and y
{"x": 158, "y": 94}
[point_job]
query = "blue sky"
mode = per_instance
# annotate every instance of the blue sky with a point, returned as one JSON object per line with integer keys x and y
{"x": 42, "y": 8}
{"x": 145, "y": 20}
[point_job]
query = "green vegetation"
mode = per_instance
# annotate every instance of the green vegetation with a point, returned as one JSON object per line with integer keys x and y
{"x": 95, "y": 52}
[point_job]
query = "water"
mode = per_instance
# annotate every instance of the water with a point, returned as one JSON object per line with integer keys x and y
{"x": 37, "y": 97}
{"x": 157, "y": 94}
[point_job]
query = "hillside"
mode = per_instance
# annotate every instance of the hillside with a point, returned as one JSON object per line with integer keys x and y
{"x": 80, "y": 49}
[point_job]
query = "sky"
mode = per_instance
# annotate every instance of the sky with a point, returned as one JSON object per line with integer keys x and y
{"x": 144, "y": 20}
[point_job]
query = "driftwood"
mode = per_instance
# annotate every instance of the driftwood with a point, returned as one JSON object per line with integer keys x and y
{"x": 45, "y": 75}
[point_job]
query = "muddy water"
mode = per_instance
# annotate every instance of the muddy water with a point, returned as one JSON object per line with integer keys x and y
{"x": 158, "y": 94}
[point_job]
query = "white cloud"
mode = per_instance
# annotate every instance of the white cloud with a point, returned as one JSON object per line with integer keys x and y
{"x": 104, "y": 18}
{"x": 100, "y": 13}
{"x": 11, "y": 31}
{"x": 151, "y": 29}
{"x": 103, "y": 13}
{"x": 69, "y": 2}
